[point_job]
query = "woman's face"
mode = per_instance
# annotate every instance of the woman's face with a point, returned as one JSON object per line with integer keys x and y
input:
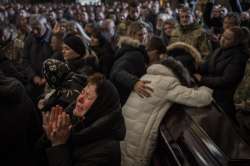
{"x": 227, "y": 39}
{"x": 85, "y": 100}
{"x": 68, "y": 53}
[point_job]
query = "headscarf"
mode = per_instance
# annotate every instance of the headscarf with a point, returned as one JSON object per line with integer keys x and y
{"x": 104, "y": 119}
{"x": 55, "y": 72}
{"x": 67, "y": 84}
{"x": 107, "y": 102}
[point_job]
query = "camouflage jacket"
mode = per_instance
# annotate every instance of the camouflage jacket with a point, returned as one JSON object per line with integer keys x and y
{"x": 14, "y": 49}
{"x": 194, "y": 35}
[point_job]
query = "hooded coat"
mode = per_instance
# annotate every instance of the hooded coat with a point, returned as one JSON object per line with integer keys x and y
{"x": 20, "y": 124}
{"x": 144, "y": 115}
{"x": 130, "y": 64}
{"x": 95, "y": 140}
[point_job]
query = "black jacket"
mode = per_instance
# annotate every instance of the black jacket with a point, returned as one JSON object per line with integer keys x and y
{"x": 223, "y": 72}
{"x": 36, "y": 51}
{"x": 83, "y": 66}
{"x": 129, "y": 66}
{"x": 20, "y": 125}
{"x": 95, "y": 140}
{"x": 9, "y": 70}
{"x": 106, "y": 56}
{"x": 215, "y": 23}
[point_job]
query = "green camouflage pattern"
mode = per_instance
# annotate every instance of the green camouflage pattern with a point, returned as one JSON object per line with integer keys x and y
{"x": 242, "y": 95}
{"x": 194, "y": 35}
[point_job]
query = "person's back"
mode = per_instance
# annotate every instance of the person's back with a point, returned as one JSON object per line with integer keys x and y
{"x": 131, "y": 60}
{"x": 143, "y": 115}
{"x": 20, "y": 124}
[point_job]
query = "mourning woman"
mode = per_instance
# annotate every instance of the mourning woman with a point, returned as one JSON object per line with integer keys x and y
{"x": 75, "y": 54}
{"x": 91, "y": 132}
{"x": 224, "y": 70}
{"x": 172, "y": 83}
{"x": 64, "y": 85}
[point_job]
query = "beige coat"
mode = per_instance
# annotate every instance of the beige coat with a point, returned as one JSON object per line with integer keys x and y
{"x": 143, "y": 115}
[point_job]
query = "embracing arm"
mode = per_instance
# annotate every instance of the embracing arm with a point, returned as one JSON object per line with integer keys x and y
{"x": 123, "y": 69}
{"x": 177, "y": 93}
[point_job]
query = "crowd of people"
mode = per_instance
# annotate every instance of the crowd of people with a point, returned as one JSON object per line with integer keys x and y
{"x": 90, "y": 84}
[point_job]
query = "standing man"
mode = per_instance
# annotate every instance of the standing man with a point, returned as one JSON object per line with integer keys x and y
{"x": 191, "y": 32}
{"x": 36, "y": 50}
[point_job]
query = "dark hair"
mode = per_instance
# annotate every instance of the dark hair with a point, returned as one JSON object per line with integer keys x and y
{"x": 241, "y": 35}
{"x": 98, "y": 34}
{"x": 133, "y": 4}
{"x": 233, "y": 16}
{"x": 58, "y": 36}
{"x": 98, "y": 80}
{"x": 156, "y": 43}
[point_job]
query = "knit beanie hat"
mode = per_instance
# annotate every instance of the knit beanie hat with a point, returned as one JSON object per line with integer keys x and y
{"x": 75, "y": 43}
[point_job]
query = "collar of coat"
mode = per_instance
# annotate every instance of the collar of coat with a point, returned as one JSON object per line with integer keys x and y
{"x": 188, "y": 48}
{"x": 126, "y": 40}
{"x": 172, "y": 68}
{"x": 190, "y": 27}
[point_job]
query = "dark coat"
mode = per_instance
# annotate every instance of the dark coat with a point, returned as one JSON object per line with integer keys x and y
{"x": 95, "y": 140}
{"x": 83, "y": 66}
{"x": 36, "y": 51}
{"x": 129, "y": 66}
{"x": 106, "y": 56}
{"x": 223, "y": 72}
{"x": 57, "y": 55}
{"x": 9, "y": 70}
{"x": 20, "y": 125}
{"x": 215, "y": 23}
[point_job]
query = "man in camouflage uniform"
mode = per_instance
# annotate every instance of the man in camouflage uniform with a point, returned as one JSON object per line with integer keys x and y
{"x": 191, "y": 32}
{"x": 11, "y": 47}
{"x": 133, "y": 15}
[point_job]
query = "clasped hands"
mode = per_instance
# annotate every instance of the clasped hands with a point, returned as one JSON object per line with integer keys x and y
{"x": 57, "y": 125}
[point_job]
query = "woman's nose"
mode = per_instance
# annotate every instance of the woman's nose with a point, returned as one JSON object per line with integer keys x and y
{"x": 81, "y": 98}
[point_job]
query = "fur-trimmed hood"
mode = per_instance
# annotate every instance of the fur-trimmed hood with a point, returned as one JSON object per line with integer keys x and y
{"x": 130, "y": 45}
{"x": 189, "y": 49}
{"x": 126, "y": 40}
{"x": 172, "y": 68}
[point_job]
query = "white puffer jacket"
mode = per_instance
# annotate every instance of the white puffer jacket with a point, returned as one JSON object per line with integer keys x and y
{"x": 143, "y": 115}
